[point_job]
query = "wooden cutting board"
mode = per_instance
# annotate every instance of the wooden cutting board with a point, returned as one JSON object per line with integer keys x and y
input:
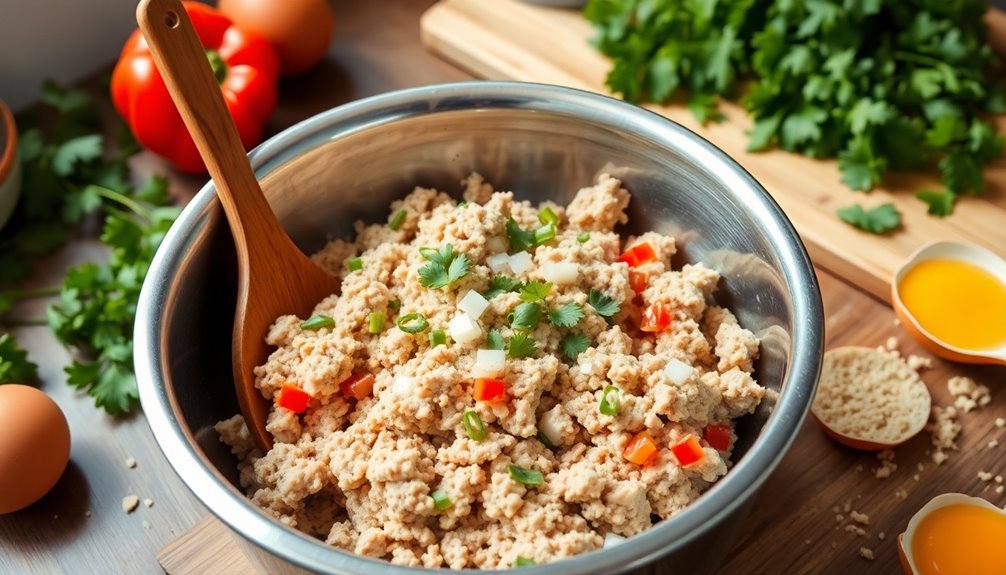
{"x": 514, "y": 40}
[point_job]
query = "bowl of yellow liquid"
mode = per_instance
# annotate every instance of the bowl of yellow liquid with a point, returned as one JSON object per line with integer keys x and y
{"x": 955, "y": 534}
{"x": 951, "y": 297}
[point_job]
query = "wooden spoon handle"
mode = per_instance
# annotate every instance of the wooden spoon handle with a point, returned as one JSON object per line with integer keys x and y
{"x": 182, "y": 62}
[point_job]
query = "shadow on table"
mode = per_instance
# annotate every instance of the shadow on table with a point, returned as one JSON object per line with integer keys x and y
{"x": 55, "y": 518}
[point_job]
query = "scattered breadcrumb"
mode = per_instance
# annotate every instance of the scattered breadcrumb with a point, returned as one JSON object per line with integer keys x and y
{"x": 887, "y": 464}
{"x": 861, "y": 518}
{"x": 130, "y": 462}
{"x": 1001, "y": 422}
{"x": 855, "y": 529}
{"x": 806, "y": 541}
{"x": 901, "y": 493}
{"x": 984, "y": 476}
{"x": 129, "y": 503}
{"x": 968, "y": 395}
{"x": 146, "y": 524}
{"x": 945, "y": 428}
{"x": 999, "y": 489}
{"x": 87, "y": 513}
{"x": 148, "y": 502}
{"x": 847, "y": 506}
{"x": 859, "y": 468}
{"x": 993, "y": 444}
{"x": 918, "y": 363}
{"x": 999, "y": 478}
{"x": 881, "y": 535}
{"x": 915, "y": 477}
{"x": 839, "y": 518}
{"x": 866, "y": 553}
{"x": 920, "y": 467}
{"x": 891, "y": 344}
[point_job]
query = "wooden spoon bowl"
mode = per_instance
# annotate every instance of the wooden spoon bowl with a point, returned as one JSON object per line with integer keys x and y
{"x": 274, "y": 276}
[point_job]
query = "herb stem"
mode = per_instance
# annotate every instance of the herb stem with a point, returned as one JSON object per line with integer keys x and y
{"x": 17, "y": 295}
{"x": 918, "y": 59}
{"x": 125, "y": 200}
{"x": 30, "y": 322}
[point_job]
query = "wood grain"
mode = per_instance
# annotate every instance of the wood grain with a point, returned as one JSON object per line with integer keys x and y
{"x": 274, "y": 276}
{"x": 510, "y": 39}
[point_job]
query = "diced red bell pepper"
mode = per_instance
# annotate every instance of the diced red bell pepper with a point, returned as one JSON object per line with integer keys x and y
{"x": 719, "y": 436}
{"x": 489, "y": 389}
{"x": 688, "y": 451}
{"x": 641, "y": 449}
{"x": 638, "y": 281}
{"x": 638, "y": 255}
{"x": 655, "y": 318}
{"x": 293, "y": 398}
{"x": 358, "y": 385}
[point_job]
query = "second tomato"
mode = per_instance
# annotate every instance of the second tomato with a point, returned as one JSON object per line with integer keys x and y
{"x": 300, "y": 30}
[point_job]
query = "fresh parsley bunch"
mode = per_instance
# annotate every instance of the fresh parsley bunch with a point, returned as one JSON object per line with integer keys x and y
{"x": 880, "y": 84}
{"x": 72, "y": 174}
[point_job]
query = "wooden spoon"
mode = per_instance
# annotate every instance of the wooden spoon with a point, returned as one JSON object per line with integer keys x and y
{"x": 274, "y": 276}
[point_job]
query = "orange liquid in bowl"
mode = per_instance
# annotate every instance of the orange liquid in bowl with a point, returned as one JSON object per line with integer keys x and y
{"x": 960, "y": 539}
{"x": 957, "y": 302}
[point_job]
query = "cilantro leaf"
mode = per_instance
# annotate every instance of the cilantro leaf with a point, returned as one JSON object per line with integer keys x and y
{"x": 878, "y": 220}
{"x": 444, "y": 268}
{"x": 72, "y": 152}
{"x": 525, "y": 316}
{"x": 574, "y": 344}
{"x": 535, "y": 291}
{"x": 494, "y": 340}
{"x": 602, "y": 303}
{"x": 518, "y": 238}
{"x": 566, "y": 315}
{"x": 14, "y": 364}
{"x": 499, "y": 285}
{"x": 521, "y": 345}
{"x": 940, "y": 203}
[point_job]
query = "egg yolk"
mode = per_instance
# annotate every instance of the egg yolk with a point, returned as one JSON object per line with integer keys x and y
{"x": 957, "y": 302}
{"x": 960, "y": 539}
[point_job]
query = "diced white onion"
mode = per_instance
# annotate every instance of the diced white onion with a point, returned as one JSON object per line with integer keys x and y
{"x": 560, "y": 273}
{"x": 463, "y": 329}
{"x": 549, "y": 427}
{"x": 496, "y": 244}
{"x": 489, "y": 363}
{"x": 473, "y": 304}
{"x": 612, "y": 539}
{"x": 678, "y": 371}
{"x": 403, "y": 385}
{"x": 521, "y": 262}
{"x": 498, "y": 263}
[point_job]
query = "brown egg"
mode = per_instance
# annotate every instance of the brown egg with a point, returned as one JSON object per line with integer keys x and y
{"x": 34, "y": 445}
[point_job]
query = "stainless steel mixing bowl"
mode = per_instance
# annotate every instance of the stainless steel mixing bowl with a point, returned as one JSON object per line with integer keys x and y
{"x": 541, "y": 142}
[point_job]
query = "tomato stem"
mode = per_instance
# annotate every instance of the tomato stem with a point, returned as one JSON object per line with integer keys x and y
{"x": 217, "y": 64}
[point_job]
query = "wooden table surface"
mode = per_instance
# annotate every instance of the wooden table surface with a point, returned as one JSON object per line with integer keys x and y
{"x": 80, "y": 528}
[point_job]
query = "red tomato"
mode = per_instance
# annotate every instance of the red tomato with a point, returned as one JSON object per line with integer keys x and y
{"x": 656, "y": 318}
{"x": 358, "y": 385}
{"x": 688, "y": 452}
{"x": 293, "y": 398}
{"x": 300, "y": 30}
{"x": 638, "y": 255}
{"x": 719, "y": 436}
{"x": 641, "y": 449}
{"x": 638, "y": 281}
{"x": 489, "y": 389}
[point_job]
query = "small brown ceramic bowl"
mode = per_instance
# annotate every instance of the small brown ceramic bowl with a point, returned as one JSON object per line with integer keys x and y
{"x": 10, "y": 167}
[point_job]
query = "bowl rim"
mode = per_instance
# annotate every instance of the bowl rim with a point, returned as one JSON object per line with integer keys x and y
{"x": 734, "y": 489}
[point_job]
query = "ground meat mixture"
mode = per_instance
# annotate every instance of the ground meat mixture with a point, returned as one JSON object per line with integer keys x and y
{"x": 541, "y": 472}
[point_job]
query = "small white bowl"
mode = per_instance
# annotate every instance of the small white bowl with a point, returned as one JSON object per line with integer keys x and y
{"x": 10, "y": 166}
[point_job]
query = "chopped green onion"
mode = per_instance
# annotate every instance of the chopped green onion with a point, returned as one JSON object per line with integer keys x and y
{"x": 413, "y": 323}
{"x": 522, "y": 561}
{"x": 376, "y": 321}
{"x": 437, "y": 337}
{"x": 354, "y": 264}
{"x": 317, "y": 322}
{"x": 394, "y": 306}
{"x": 544, "y": 234}
{"x": 441, "y": 500}
{"x": 531, "y": 477}
{"x": 611, "y": 400}
{"x": 547, "y": 216}
{"x": 462, "y": 204}
{"x": 398, "y": 219}
{"x": 545, "y": 440}
{"x": 429, "y": 253}
{"x": 473, "y": 425}
{"x": 582, "y": 237}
